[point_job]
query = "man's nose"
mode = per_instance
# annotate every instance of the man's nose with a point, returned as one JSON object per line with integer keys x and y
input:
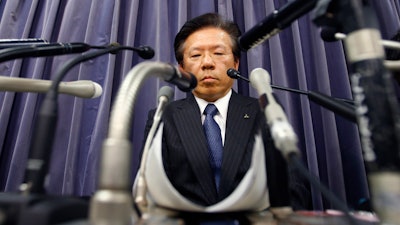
{"x": 208, "y": 62}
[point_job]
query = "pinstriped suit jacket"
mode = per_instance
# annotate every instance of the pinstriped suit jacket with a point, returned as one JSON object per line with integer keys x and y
{"x": 186, "y": 161}
{"x": 185, "y": 152}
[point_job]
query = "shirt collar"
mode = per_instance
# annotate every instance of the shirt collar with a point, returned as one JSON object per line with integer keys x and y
{"x": 221, "y": 104}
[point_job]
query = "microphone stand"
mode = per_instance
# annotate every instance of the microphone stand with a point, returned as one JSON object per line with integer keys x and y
{"x": 376, "y": 104}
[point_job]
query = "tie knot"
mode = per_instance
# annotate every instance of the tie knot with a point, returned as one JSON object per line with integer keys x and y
{"x": 211, "y": 109}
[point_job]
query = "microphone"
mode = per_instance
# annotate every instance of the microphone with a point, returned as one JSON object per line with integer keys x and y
{"x": 334, "y": 104}
{"x": 285, "y": 141}
{"x": 232, "y": 73}
{"x": 275, "y": 22}
{"x": 39, "y": 50}
{"x": 165, "y": 95}
{"x": 284, "y": 137}
{"x": 183, "y": 80}
{"x": 80, "y": 88}
{"x": 281, "y": 131}
{"x": 145, "y": 52}
{"x": 9, "y": 43}
{"x": 115, "y": 168}
{"x": 47, "y": 119}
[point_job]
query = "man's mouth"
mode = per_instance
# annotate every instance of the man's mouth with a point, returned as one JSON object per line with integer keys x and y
{"x": 208, "y": 78}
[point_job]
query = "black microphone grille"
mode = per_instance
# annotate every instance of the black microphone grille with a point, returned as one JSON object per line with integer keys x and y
{"x": 328, "y": 34}
{"x": 233, "y": 73}
{"x": 145, "y": 52}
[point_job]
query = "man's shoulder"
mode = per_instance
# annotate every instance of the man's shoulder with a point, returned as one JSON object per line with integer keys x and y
{"x": 243, "y": 99}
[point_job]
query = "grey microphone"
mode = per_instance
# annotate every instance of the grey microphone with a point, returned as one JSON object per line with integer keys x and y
{"x": 284, "y": 138}
{"x": 79, "y": 88}
{"x": 165, "y": 95}
{"x": 282, "y": 132}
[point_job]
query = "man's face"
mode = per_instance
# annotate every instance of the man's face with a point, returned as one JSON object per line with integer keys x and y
{"x": 208, "y": 55}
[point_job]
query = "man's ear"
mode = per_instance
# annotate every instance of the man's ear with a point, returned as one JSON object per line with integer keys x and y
{"x": 180, "y": 66}
{"x": 236, "y": 65}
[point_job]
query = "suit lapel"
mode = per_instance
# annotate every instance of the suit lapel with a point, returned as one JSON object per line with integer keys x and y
{"x": 239, "y": 125}
{"x": 190, "y": 129}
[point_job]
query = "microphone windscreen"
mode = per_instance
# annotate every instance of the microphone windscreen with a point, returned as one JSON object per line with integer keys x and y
{"x": 328, "y": 34}
{"x": 98, "y": 90}
{"x": 145, "y": 52}
{"x": 232, "y": 73}
{"x": 166, "y": 91}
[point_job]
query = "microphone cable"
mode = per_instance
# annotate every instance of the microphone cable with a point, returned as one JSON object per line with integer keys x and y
{"x": 43, "y": 137}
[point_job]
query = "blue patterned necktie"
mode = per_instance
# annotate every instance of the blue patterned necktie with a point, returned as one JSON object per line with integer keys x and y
{"x": 214, "y": 139}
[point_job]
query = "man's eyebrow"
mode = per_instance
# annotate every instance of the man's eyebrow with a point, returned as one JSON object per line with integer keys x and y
{"x": 212, "y": 47}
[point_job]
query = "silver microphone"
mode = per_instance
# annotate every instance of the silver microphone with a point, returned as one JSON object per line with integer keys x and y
{"x": 282, "y": 132}
{"x": 80, "y": 88}
{"x": 165, "y": 95}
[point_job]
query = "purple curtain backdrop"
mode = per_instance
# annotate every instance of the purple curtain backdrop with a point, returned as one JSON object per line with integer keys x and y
{"x": 296, "y": 58}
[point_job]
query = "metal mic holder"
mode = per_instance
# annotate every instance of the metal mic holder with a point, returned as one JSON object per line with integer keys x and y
{"x": 376, "y": 104}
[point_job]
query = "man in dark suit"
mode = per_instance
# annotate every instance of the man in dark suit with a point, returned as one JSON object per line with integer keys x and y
{"x": 207, "y": 46}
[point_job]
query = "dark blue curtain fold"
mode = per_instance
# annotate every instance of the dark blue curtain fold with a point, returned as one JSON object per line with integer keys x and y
{"x": 296, "y": 58}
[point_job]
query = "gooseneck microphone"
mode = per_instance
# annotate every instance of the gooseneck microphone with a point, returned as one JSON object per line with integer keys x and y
{"x": 145, "y": 52}
{"x": 112, "y": 202}
{"x": 281, "y": 131}
{"x": 284, "y": 139}
{"x": 343, "y": 107}
{"x": 275, "y": 22}
{"x": 42, "y": 141}
{"x": 183, "y": 80}
{"x": 283, "y": 135}
{"x": 165, "y": 95}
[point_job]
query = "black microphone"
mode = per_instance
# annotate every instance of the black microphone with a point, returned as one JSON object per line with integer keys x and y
{"x": 275, "y": 22}
{"x": 340, "y": 106}
{"x": 40, "y": 50}
{"x": 236, "y": 75}
{"x": 9, "y": 43}
{"x": 183, "y": 80}
{"x": 145, "y": 52}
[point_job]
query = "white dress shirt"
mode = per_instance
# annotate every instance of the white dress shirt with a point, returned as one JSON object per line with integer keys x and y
{"x": 220, "y": 117}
